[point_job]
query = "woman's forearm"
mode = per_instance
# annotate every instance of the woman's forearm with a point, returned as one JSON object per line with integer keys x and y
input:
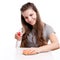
{"x": 46, "y": 48}
{"x": 49, "y": 47}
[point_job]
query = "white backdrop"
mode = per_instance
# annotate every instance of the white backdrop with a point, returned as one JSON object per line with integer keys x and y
{"x": 10, "y": 22}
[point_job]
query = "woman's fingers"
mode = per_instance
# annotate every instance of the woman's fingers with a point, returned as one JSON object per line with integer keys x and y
{"x": 17, "y": 36}
{"x": 29, "y": 52}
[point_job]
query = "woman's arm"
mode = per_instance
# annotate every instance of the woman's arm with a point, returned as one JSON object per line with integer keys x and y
{"x": 52, "y": 46}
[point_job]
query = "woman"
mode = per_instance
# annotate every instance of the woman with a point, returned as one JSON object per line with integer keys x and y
{"x": 36, "y": 33}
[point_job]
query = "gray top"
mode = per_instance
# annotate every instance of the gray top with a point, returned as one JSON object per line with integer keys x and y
{"x": 47, "y": 30}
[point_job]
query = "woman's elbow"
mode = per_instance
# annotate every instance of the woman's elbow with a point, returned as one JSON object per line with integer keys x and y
{"x": 57, "y": 45}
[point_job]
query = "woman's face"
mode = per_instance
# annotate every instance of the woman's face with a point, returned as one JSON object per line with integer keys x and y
{"x": 30, "y": 16}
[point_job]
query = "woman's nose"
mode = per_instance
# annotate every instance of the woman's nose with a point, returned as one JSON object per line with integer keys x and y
{"x": 29, "y": 18}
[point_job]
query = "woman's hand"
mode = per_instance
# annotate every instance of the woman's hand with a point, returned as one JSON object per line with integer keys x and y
{"x": 31, "y": 51}
{"x": 18, "y": 35}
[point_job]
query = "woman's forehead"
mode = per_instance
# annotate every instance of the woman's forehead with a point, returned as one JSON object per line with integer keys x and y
{"x": 28, "y": 11}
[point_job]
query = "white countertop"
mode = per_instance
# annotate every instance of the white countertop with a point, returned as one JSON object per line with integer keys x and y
{"x": 12, "y": 53}
{"x": 40, "y": 56}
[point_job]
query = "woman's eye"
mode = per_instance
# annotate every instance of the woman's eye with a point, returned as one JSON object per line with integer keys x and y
{"x": 26, "y": 17}
{"x": 31, "y": 14}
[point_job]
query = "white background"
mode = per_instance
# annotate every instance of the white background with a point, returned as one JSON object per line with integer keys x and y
{"x": 10, "y": 23}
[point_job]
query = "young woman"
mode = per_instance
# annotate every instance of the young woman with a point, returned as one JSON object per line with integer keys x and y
{"x": 36, "y": 33}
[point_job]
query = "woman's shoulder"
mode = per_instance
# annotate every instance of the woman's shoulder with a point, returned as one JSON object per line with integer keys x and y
{"x": 49, "y": 29}
{"x": 47, "y": 26}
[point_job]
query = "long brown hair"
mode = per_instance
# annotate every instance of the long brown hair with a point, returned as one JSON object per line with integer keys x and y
{"x": 37, "y": 27}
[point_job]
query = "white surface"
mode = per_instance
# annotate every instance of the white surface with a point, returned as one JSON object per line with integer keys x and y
{"x": 56, "y": 54}
{"x": 40, "y": 56}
